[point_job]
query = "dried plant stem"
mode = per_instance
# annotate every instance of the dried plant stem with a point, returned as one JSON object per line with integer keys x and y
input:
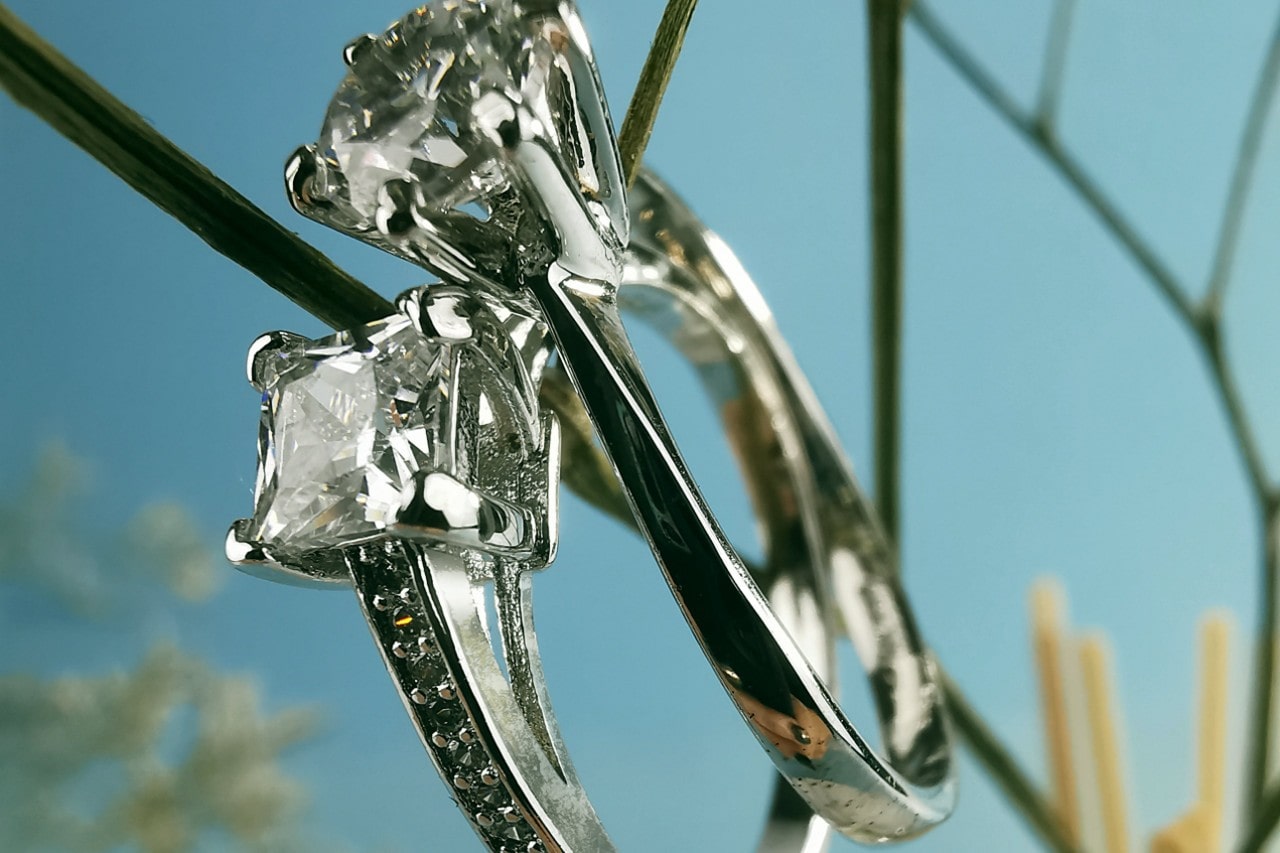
{"x": 884, "y": 57}
{"x": 642, "y": 112}
{"x": 1048, "y": 637}
{"x": 1212, "y": 740}
{"x": 1202, "y": 320}
{"x": 1095, "y": 665}
{"x": 47, "y": 83}
{"x": 1055, "y": 62}
{"x": 996, "y": 759}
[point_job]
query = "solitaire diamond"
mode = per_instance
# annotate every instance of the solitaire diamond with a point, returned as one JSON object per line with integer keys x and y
{"x": 408, "y": 158}
{"x": 346, "y": 423}
{"x": 403, "y": 111}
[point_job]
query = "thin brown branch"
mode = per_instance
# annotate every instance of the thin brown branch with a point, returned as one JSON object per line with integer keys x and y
{"x": 885, "y": 72}
{"x": 1067, "y": 167}
{"x": 884, "y": 58}
{"x": 642, "y": 112}
{"x": 584, "y": 466}
{"x": 1208, "y": 333}
{"x": 1055, "y": 62}
{"x": 47, "y": 83}
{"x": 1262, "y": 703}
{"x": 1000, "y": 765}
{"x": 1266, "y": 817}
{"x": 1242, "y": 176}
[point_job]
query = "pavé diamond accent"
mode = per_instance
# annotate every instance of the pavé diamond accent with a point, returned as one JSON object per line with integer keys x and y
{"x": 462, "y": 758}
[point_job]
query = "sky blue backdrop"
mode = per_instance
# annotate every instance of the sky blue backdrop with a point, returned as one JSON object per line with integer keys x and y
{"x": 1056, "y": 417}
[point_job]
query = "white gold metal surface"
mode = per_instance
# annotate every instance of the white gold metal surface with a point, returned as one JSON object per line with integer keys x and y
{"x": 504, "y": 178}
{"x": 828, "y": 564}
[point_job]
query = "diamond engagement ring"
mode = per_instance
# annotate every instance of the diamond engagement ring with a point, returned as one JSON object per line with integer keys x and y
{"x": 472, "y": 138}
{"x": 827, "y": 561}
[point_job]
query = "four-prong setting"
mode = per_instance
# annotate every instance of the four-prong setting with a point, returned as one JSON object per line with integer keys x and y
{"x": 430, "y": 148}
{"x": 403, "y": 429}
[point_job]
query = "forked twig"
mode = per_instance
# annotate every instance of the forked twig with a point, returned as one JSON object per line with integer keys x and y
{"x": 1055, "y": 63}
{"x": 1202, "y": 320}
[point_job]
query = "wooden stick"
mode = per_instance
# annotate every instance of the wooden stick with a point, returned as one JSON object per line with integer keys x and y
{"x": 642, "y": 112}
{"x": 1095, "y": 664}
{"x": 1188, "y": 834}
{"x": 1048, "y": 607}
{"x": 1214, "y": 638}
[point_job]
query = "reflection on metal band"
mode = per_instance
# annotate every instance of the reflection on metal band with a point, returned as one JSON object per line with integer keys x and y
{"x": 821, "y": 541}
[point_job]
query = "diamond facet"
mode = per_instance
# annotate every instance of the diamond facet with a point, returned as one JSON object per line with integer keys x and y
{"x": 394, "y": 429}
{"x": 346, "y": 423}
{"x": 407, "y": 157}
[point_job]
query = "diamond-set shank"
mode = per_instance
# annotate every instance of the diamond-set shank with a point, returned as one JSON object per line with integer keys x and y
{"x": 420, "y": 655}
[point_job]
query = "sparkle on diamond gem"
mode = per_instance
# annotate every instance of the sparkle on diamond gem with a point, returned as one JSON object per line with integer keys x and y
{"x": 347, "y": 421}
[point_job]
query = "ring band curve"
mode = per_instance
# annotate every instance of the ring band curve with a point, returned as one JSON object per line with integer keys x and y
{"x": 513, "y": 189}
{"x": 823, "y": 544}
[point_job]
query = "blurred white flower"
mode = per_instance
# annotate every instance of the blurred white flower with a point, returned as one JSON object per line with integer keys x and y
{"x": 42, "y": 544}
{"x": 117, "y": 729}
{"x": 169, "y": 549}
{"x": 167, "y": 757}
{"x": 36, "y": 546}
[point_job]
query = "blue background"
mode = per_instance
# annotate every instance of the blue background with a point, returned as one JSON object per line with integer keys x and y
{"x": 1057, "y": 419}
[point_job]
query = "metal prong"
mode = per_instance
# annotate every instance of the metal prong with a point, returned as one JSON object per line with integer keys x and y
{"x": 548, "y": 532}
{"x": 262, "y": 347}
{"x": 357, "y": 46}
{"x": 325, "y": 571}
{"x": 587, "y": 250}
{"x": 409, "y": 304}
{"x": 441, "y": 507}
{"x": 299, "y": 170}
{"x": 242, "y": 551}
{"x": 442, "y": 313}
{"x": 502, "y": 121}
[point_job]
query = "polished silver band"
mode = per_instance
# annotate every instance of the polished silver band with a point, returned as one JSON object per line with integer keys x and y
{"x": 704, "y": 315}
{"x": 822, "y": 542}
